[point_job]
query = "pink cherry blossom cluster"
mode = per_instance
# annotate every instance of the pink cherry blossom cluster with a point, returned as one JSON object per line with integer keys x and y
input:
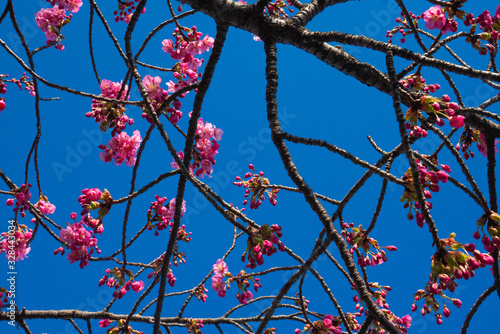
{"x": 111, "y": 114}
{"x": 157, "y": 96}
{"x": 80, "y": 241}
{"x": 205, "y": 150}
{"x": 207, "y": 137}
{"x": 263, "y": 241}
{"x": 258, "y": 186}
{"x": 428, "y": 179}
{"x": 201, "y": 293}
{"x": 22, "y": 196}
{"x": 45, "y": 206}
{"x": 89, "y": 199}
{"x": 185, "y": 47}
{"x": 161, "y": 213}
{"x": 276, "y": 9}
{"x": 402, "y": 324}
{"x": 404, "y": 28}
{"x": 24, "y": 80}
{"x": 243, "y": 283}
{"x": 15, "y": 242}
{"x": 243, "y": 280}
{"x": 122, "y": 281}
{"x": 329, "y": 325}
{"x": 93, "y": 199}
{"x": 194, "y": 325}
{"x": 441, "y": 108}
{"x": 220, "y": 270}
{"x": 51, "y": 20}
{"x": 434, "y": 18}
{"x": 491, "y": 239}
{"x": 379, "y": 294}
{"x": 71, "y": 5}
{"x": 158, "y": 263}
{"x": 470, "y": 136}
{"x": 490, "y": 27}
{"x": 119, "y": 327}
{"x": 450, "y": 262}
{"x": 357, "y": 239}
{"x": 122, "y": 148}
{"x": 125, "y": 11}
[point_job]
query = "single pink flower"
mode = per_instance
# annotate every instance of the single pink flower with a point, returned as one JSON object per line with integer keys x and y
{"x": 137, "y": 286}
{"x": 434, "y": 18}
{"x": 152, "y": 85}
{"x": 73, "y": 5}
{"x": 220, "y": 267}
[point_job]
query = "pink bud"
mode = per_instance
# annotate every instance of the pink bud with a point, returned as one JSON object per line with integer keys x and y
{"x": 104, "y": 323}
{"x": 457, "y": 121}
{"x": 457, "y": 302}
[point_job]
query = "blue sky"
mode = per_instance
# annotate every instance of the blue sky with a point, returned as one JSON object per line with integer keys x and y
{"x": 314, "y": 101}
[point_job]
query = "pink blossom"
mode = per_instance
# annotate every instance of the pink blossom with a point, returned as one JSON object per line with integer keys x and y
{"x": 137, "y": 286}
{"x": 218, "y": 285}
{"x": 457, "y": 302}
{"x": 457, "y": 121}
{"x": 80, "y": 242}
{"x": 45, "y": 208}
{"x": 481, "y": 145}
{"x": 73, "y": 5}
{"x": 407, "y": 321}
{"x": 122, "y": 148}
{"x": 152, "y": 85}
{"x": 206, "y": 44}
{"x": 434, "y": 18}
{"x": 161, "y": 215}
{"x": 16, "y": 240}
{"x": 111, "y": 115}
{"x": 485, "y": 21}
{"x": 22, "y": 196}
{"x": 174, "y": 164}
{"x": 50, "y": 21}
{"x": 104, "y": 323}
{"x": 2, "y": 104}
{"x": 220, "y": 267}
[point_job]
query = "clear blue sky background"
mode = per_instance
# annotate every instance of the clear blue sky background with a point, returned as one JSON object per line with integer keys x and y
{"x": 315, "y": 101}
